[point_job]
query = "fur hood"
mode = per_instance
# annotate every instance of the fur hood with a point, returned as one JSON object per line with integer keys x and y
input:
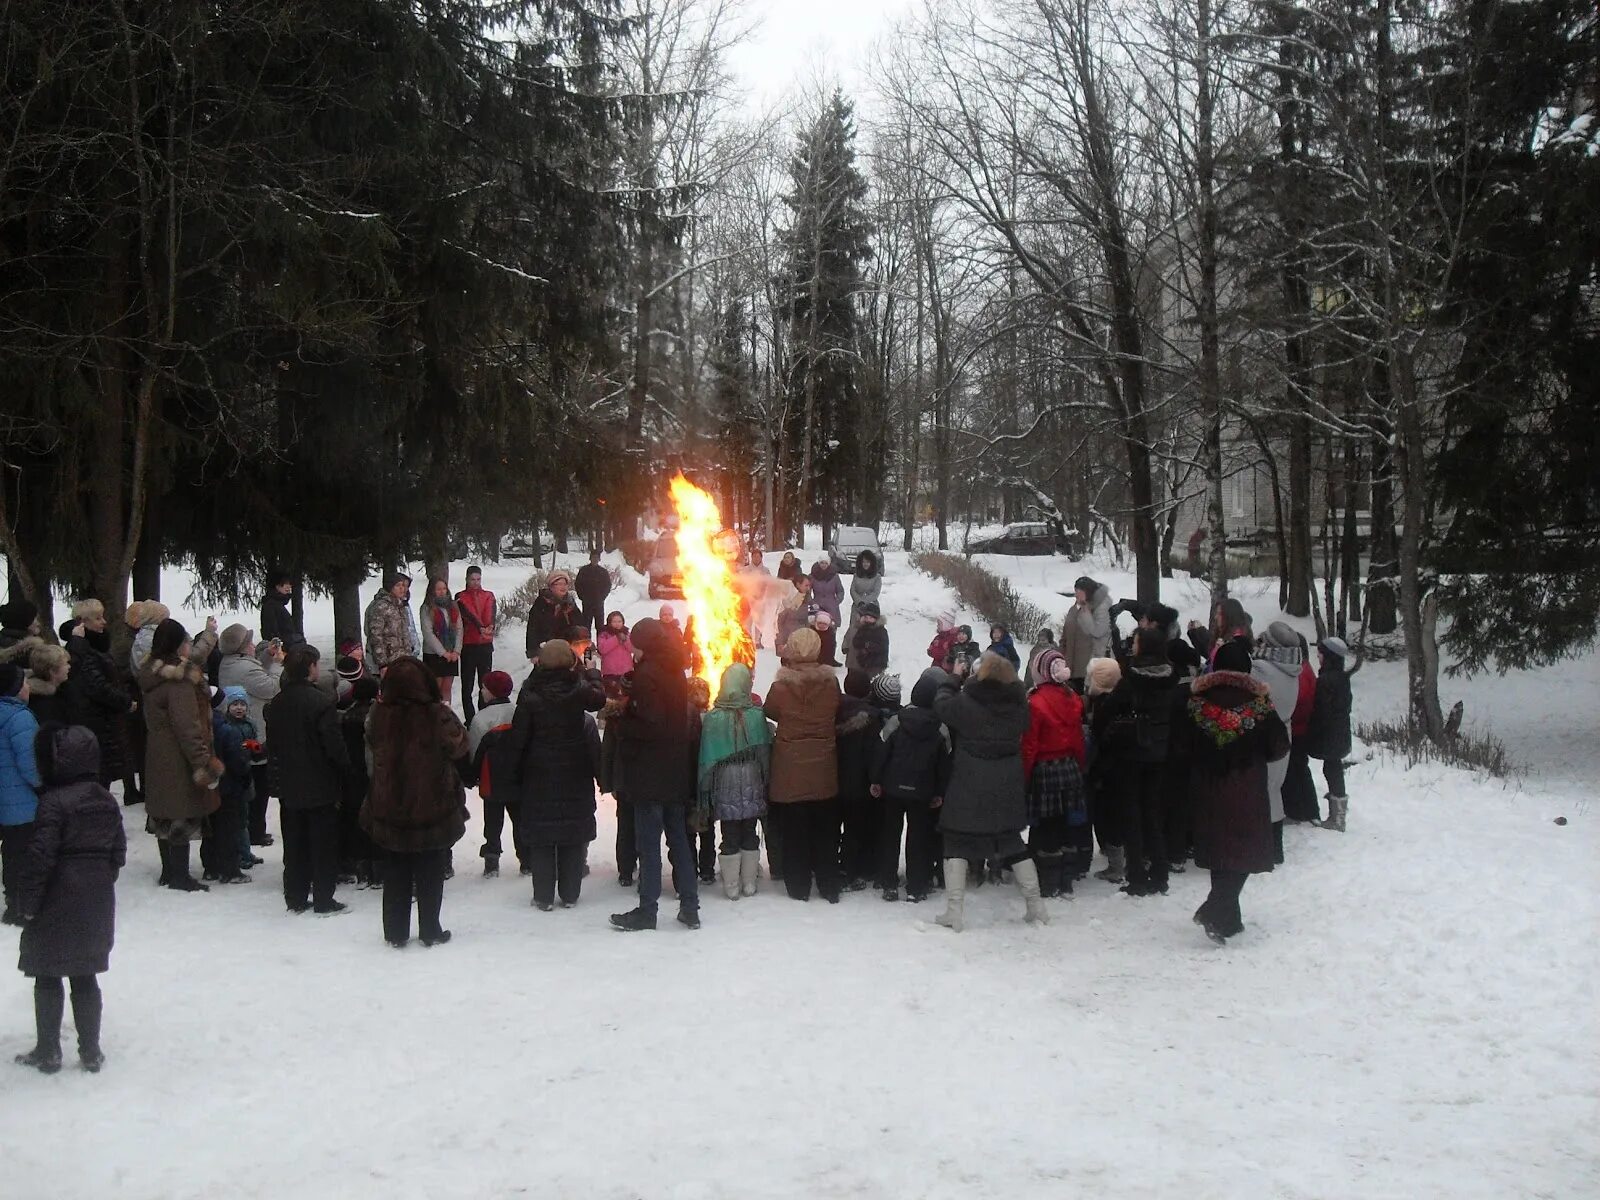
{"x": 855, "y": 716}
{"x": 1229, "y": 679}
{"x": 38, "y": 686}
{"x": 155, "y": 672}
{"x": 20, "y": 652}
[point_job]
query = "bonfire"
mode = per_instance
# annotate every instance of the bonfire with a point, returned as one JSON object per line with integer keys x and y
{"x": 707, "y": 553}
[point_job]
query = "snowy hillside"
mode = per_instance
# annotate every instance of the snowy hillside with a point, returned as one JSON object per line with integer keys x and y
{"x": 1410, "y": 1014}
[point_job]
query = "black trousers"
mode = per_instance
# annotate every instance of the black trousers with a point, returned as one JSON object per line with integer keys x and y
{"x": 1299, "y": 792}
{"x": 1221, "y": 907}
{"x": 858, "y": 845}
{"x": 740, "y": 835}
{"x": 310, "y": 854}
{"x": 418, "y": 873}
{"x": 557, "y": 868}
{"x": 1142, "y": 801}
{"x": 219, "y": 847}
{"x": 49, "y": 1002}
{"x": 809, "y": 835}
{"x": 494, "y": 821}
{"x": 1333, "y": 773}
{"x": 627, "y": 851}
{"x": 594, "y": 615}
{"x": 259, "y": 793}
{"x": 476, "y": 662}
{"x": 14, "y": 842}
{"x": 773, "y": 833}
{"x": 922, "y": 845}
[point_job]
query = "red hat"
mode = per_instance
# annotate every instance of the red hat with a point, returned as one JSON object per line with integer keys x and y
{"x": 497, "y": 683}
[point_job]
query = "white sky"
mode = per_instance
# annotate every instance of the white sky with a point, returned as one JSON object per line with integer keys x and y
{"x": 795, "y": 37}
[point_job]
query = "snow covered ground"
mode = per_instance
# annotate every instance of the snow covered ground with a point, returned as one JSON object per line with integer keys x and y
{"x": 1410, "y": 1014}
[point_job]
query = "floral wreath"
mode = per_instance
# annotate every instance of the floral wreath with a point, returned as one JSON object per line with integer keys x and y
{"x": 1226, "y": 725}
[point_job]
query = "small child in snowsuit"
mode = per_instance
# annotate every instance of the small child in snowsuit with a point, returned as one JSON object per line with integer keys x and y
{"x": 869, "y": 649}
{"x": 236, "y": 715}
{"x": 909, "y": 775}
{"x": 226, "y": 845}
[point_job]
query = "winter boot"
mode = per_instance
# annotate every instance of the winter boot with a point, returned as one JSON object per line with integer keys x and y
{"x": 165, "y": 851}
{"x": 633, "y": 921}
{"x": 728, "y": 868}
{"x": 1026, "y": 873}
{"x": 1051, "y": 868}
{"x": 955, "y": 892}
{"x": 86, "y": 1010}
{"x": 181, "y": 880}
{"x": 689, "y": 918}
{"x": 749, "y": 871}
{"x": 1338, "y": 807}
{"x": 1116, "y": 865}
{"x": 491, "y": 866}
{"x": 45, "y": 1057}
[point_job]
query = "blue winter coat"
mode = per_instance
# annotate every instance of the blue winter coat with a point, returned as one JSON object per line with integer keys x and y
{"x": 19, "y": 773}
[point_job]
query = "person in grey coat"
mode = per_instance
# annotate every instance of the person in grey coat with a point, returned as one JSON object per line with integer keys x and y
{"x": 866, "y": 586}
{"x": 67, "y": 894}
{"x": 986, "y": 803}
{"x": 1086, "y": 632}
{"x": 827, "y": 590}
{"x": 1277, "y": 662}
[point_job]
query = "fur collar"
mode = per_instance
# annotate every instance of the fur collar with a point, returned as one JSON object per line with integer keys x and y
{"x": 156, "y": 672}
{"x": 42, "y": 687}
{"x": 21, "y": 651}
{"x": 856, "y": 720}
{"x": 1218, "y": 679}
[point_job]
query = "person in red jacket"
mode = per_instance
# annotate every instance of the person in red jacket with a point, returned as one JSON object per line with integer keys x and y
{"x": 477, "y": 637}
{"x": 1053, "y": 763}
{"x": 942, "y": 649}
{"x": 1299, "y": 789}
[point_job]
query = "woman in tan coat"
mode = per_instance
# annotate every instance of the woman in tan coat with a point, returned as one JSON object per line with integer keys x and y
{"x": 804, "y": 794}
{"x": 181, "y": 770}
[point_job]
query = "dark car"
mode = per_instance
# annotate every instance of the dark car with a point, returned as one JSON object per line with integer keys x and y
{"x": 848, "y": 543}
{"x": 1030, "y": 537}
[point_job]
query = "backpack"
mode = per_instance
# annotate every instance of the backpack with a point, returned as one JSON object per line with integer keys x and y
{"x": 1152, "y": 725}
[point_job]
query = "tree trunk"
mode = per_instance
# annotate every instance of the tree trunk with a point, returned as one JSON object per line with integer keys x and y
{"x": 1418, "y": 603}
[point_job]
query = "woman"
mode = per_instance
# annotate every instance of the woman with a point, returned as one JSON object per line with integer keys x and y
{"x": 985, "y": 805}
{"x": 1104, "y": 674}
{"x": 1226, "y": 736}
{"x": 804, "y": 702}
{"x": 555, "y": 747}
{"x": 1299, "y": 792}
{"x": 441, "y": 636}
{"x": 1053, "y": 762}
{"x": 181, "y": 769}
{"x": 789, "y": 567}
{"x": 827, "y": 590}
{"x": 866, "y": 587}
{"x": 67, "y": 896}
{"x": 105, "y": 706}
{"x": 794, "y": 610}
{"x": 1229, "y": 622}
{"x": 1086, "y": 633}
{"x": 416, "y": 806}
{"x": 1277, "y": 663}
{"x": 735, "y": 765}
{"x": 1328, "y": 727}
{"x": 50, "y": 691}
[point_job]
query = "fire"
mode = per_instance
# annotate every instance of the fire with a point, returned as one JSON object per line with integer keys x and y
{"x": 708, "y": 587}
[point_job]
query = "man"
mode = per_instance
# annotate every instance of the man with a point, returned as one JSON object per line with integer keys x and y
{"x": 391, "y": 629}
{"x": 243, "y": 667}
{"x": 309, "y": 765}
{"x": 593, "y": 586}
{"x": 553, "y": 613}
{"x": 277, "y": 623}
{"x": 477, "y": 610}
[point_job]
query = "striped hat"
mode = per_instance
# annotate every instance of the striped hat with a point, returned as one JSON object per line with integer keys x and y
{"x": 886, "y": 689}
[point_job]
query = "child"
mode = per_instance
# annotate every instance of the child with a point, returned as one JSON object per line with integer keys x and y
{"x": 1052, "y": 765}
{"x": 702, "y": 835}
{"x": 486, "y": 741}
{"x": 856, "y": 727}
{"x": 19, "y": 780}
{"x": 359, "y": 856}
{"x": 1001, "y": 643}
{"x": 67, "y": 894}
{"x": 823, "y": 624}
{"x": 869, "y": 649}
{"x": 1101, "y": 678}
{"x": 909, "y": 773}
{"x": 236, "y": 713}
{"x": 734, "y": 763}
{"x": 616, "y": 653}
{"x": 966, "y": 650}
{"x": 1328, "y": 733}
{"x": 226, "y": 843}
{"x": 944, "y": 642}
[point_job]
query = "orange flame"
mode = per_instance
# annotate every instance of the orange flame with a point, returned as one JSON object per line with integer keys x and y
{"x": 714, "y": 603}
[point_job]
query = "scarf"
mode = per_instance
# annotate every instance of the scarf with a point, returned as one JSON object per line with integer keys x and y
{"x": 733, "y": 727}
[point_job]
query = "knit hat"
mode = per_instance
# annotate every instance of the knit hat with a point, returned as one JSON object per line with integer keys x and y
{"x": 886, "y": 689}
{"x": 1335, "y": 646}
{"x": 1281, "y": 644}
{"x": 1102, "y": 675}
{"x": 497, "y": 684}
{"x": 235, "y": 695}
{"x": 554, "y": 576}
{"x": 869, "y": 608}
{"x": 11, "y": 678}
{"x": 1162, "y": 615}
{"x": 857, "y": 683}
{"x": 348, "y": 668}
{"x": 1232, "y": 656}
{"x": 824, "y": 621}
{"x": 348, "y": 647}
{"x": 390, "y": 578}
{"x": 1042, "y": 664}
{"x": 556, "y": 655}
{"x": 946, "y": 622}
{"x": 803, "y": 646}
{"x": 143, "y": 613}
{"x": 18, "y": 614}
{"x": 234, "y": 639}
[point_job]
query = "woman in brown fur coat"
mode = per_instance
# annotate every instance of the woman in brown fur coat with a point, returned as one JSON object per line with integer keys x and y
{"x": 181, "y": 769}
{"x": 416, "y": 806}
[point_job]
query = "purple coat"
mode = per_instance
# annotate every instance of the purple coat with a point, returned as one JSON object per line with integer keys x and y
{"x": 827, "y": 591}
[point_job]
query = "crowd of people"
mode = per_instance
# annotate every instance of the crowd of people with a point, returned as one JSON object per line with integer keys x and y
{"x": 1165, "y": 747}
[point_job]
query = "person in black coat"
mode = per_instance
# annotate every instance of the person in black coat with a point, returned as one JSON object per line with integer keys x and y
{"x": 277, "y": 622}
{"x": 1328, "y": 733}
{"x": 653, "y": 735}
{"x": 308, "y": 764}
{"x": 593, "y": 585}
{"x": 104, "y": 705}
{"x": 221, "y": 845}
{"x": 1132, "y": 730}
{"x": 359, "y": 855}
{"x": 857, "y": 727}
{"x": 67, "y": 894}
{"x": 869, "y": 648}
{"x": 909, "y": 774}
{"x": 553, "y": 751}
{"x": 553, "y": 614}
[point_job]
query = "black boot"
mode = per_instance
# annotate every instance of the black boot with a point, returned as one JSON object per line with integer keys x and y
{"x": 48, "y": 1002}
{"x": 86, "y": 1009}
{"x": 166, "y": 863}
{"x": 1050, "y": 868}
{"x": 633, "y": 921}
{"x": 181, "y": 880}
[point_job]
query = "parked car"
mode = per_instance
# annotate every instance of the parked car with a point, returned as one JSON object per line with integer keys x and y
{"x": 665, "y": 579}
{"x": 1023, "y": 537}
{"x": 521, "y": 545}
{"x": 849, "y": 541}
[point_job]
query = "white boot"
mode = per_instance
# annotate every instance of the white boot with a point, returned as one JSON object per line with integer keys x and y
{"x": 749, "y": 871}
{"x": 1115, "y": 866}
{"x": 1026, "y": 874}
{"x": 955, "y": 892}
{"x": 728, "y": 868}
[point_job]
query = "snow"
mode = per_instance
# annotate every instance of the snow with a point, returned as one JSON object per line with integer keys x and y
{"x": 1410, "y": 1013}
